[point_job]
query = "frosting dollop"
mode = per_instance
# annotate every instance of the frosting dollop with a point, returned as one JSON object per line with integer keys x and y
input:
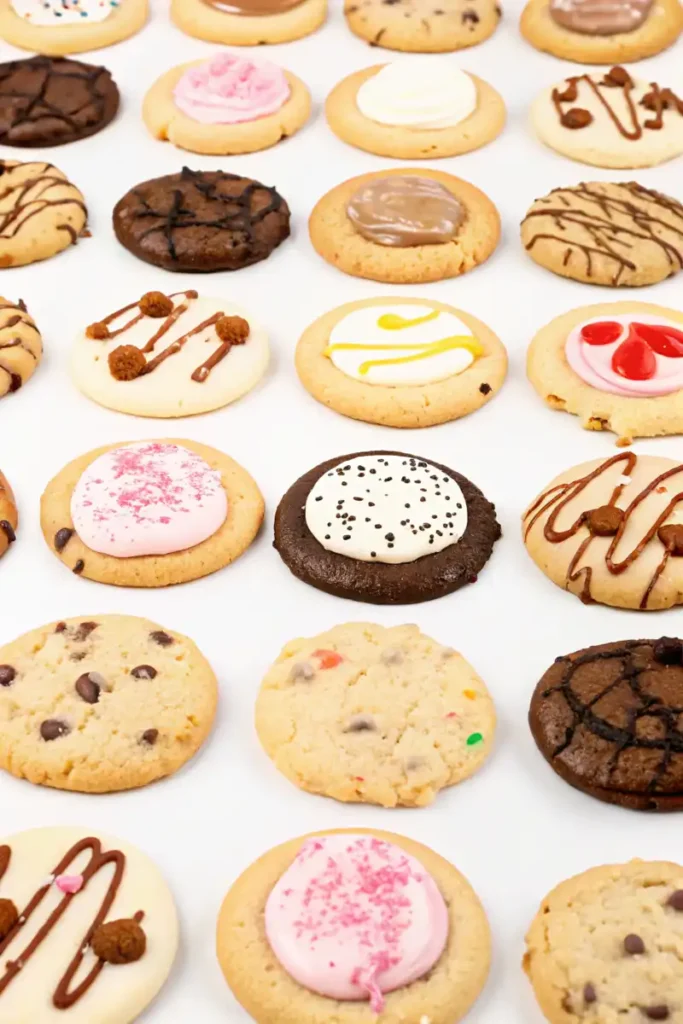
{"x": 633, "y": 356}
{"x": 405, "y": 210}
{"x": 424, "y": 93}
{"x": 231, "y": 89}
{"x": 148, "y": 498}
{"x": 600, "y": 17}
{"x": 64, "y": 12}
{"x": 354, "y": 917}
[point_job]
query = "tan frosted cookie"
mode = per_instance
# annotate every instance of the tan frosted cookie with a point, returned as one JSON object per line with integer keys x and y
{"x": 41, "y": 212}
{"x": 595, "y": 32}
{"x": 601, "y": 947}
{"x": 56, "y": 29}
{"x": 89, "y": 929}
{"x": 226, "y": 105}
{"x": 401, "y": 362}
{"x": 21, "y": 346}
{"x": 617, "y": 366}
{"x": 423, "y": 26}
{"x": 250, "y": 920}
{"x": 611, "y": 531}
{"x": 610, "y": 119}
{"x": 248, "y": 22}
{"x": 102, "y": 705}
{"x": 405, "y": 226}
{"x": 150, "y": 513}
{"x": 366, "y": 714}
{"x": 9, "y": 516}
{"x": 616, "y": 234}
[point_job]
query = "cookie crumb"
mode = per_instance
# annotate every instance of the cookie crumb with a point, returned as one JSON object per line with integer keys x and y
{"x": 119, "y": 942}
{"x": 97, "y": 331}
{"x": 156, "y": 305}
{"x": 126, "y": 362}
{"x": 232, "y": 329}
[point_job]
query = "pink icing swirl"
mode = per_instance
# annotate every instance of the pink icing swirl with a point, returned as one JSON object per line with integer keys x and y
{"x": 594, "y": 363}
{"x": 231, "y": 89}
{"x": 149, "y": 498}
{"x": 354, "y": 917}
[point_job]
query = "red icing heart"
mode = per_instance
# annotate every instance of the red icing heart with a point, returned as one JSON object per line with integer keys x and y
{"x": 634, "y": 359}
{"x": 603, "y": 333}
{"x": 666, "y": 341}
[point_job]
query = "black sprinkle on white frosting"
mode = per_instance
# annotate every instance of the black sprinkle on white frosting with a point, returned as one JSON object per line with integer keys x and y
{"x": 386, "y": 508}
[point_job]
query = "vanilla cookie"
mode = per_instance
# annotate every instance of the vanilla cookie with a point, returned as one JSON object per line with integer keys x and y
{"x": 102, "y": 705}
{"x": 415, "y": 109}
{"x": 286, "y": 919}
{"x": 56, "y": 28}
{"x": 610, "y": 119}
{"x": 226, "y": 105}
{"x": 88, "y": 928}
{"x": 401, "y": 362}
{"x": 41, "y": 212}
{"x": 21, "y": 346}
{"x": 423, "y": 26}
{"x": 9, "y": 516}
{"x": 610, "y": 531}
{"x": 599, "y": 32}
{"x": 150, "y": 513}
{"x": 170, "y": 355}
{"x": 248, "y": 22}
{"x": 405, "y": 226}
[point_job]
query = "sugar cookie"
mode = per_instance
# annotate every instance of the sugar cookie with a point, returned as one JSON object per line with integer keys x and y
{"x": 57, "y": 29}
{"x": 248, "y": 22}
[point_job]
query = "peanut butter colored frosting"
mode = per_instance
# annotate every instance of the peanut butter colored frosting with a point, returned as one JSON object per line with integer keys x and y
{"x": 254, "y": 8}
{"x": 405, "y": 210}
{"x": 600, "y": 17}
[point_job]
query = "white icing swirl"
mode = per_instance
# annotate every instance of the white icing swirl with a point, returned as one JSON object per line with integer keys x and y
{"x": 64, "y": 12}
{"x": 425, "y": 93}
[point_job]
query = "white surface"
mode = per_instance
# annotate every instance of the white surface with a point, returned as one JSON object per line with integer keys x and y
{"x": 515, "y": 829}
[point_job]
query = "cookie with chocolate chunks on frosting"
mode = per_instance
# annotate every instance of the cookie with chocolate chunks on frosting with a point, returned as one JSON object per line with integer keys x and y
{"x": 385, "y": 527}
{"x": 103, "y": 928}
{"x": 41, "y": 212}
{"x": 9, "y": 516}
{"x": 248, "y": 22}
{"x": 21, "y": 346}
{"x": 423, "y": 26}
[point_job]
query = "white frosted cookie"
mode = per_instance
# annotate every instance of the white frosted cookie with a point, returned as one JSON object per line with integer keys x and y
{"x": 57, "y": 28}
{"x": 88, "y": 928}
{"x": 170, "y": 355}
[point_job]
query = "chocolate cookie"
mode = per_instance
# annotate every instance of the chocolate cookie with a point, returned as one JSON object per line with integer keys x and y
{"x": 385, "y": 527}
{"x": 46, "y": 101}
{"x": 201, "y": 221}
{"x": 609, "y": 720}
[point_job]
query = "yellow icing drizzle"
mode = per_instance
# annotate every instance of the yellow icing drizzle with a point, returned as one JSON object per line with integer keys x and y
{"x": 395, "y": 322}
{"x": 424, "y": 350}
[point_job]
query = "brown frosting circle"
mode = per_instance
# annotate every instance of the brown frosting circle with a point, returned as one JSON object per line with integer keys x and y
{"x": 405, "y": 210}
{"x": 600, "y": 17}
{"x": 253, "y": 8}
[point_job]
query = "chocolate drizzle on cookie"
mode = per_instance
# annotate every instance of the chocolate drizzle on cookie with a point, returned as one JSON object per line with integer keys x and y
{"x": 30, "y": 197}
{"x": 618, "y": 78}
{"x": 10, "y": 340}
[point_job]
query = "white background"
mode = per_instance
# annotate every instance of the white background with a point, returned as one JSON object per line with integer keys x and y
{"x": 515, "y": 829}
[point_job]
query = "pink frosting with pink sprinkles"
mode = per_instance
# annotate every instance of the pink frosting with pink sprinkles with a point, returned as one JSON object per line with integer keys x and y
{"x": 231, "y": 89}
{"x": 149, "y": 498}
{"x": 355, "y": 917}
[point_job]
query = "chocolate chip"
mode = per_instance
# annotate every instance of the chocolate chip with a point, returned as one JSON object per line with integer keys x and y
{"x": 84, "y": 630}
{"x": 361, "y": 723}
{"x": 144, "y": 672}
{"x": 79, "y": 567}
{"x": 150, "y": 737}
{"x": 8, "y": 530}
{"x": 60, "y": 627}
{"x": 589, "y": 993}
{"x": 634, "y": 945}
{"x": 668, "y": 651}
{"x": 62, "y": 538}
{"x": 671, "y": 537}
{"x": 660, "y": 1012}
{"x": 577, "y": 117}
{"x": 53, "y": 729}
{"x": 605, "y": 520}
{"x": 7, "y": 675}
{"x": 485, "y": 389}
{"x": 675, "y": 900}
{"x": 87, "y": 689}
{"x": 161, "y": 638}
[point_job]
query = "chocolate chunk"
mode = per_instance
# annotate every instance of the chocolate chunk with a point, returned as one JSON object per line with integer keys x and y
{"x": 84, "y": 630}
{"x": 53, "y": 729}
{"x": 7, "y": 675}
{"x": 144, "y": 672}
{"x": 605, "y": 520}
{"x": 634, "y": 945}
{"x": 79, "y": 567}
{"x": 150, "y": 736}
{"x": 485, "y": 389}
{"x": 659, "y": 1012}
{"x": 62, "y": 538}
{"x": 589, "y": 994}
{"x": 668, "y": 651}
{"x": 671, "y": 537}
{"x": 119, "y": 942}
{"x": 156, "y": 304}
{"x": 9, "y": 915}
{"x": 577, "y": 117}
{"x": 8, "y": 530}
{"x": 675, "y": 900}
{"x": 88, "y": 689}
{"x": 60, "y": 627}
{"x": 161, "y": 638}
{"x": 361, "y": 723}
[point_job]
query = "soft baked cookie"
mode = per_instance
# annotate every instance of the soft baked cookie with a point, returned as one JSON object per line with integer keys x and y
{"x": 401, "y": 362}
{"x": 367, "y": 714}
{"x": 170, "y": 355}
{"x": 607, "y": 720}
{"x": 88, "y": 928}
{"x": 610, "y": 119}
{"x": 415, "y": 109}
{"x": 102, "y": 705}
{"x": 248, "y": 22}
{"x": 423, "y": 26}
{"x": 41, "y": 212}
{"x": 601, "y": 947}
{"x": 9, "y": 516}
{"x": 618, "y": 366}
{"x": 600, "y": 32}
{"x": 418, "y": 949}
{"x": 610, "y": 531}
{"x": 150, "y": 513}
{"x": 21, "y": 346}
{"x": 405, "y": 226}
{"x": 385, "y": 527}
{"x": 608, "y": 233}
{"x": 201, "y": 221}
{"x": 57, "y": 28}
{"x": 226, "y": 105}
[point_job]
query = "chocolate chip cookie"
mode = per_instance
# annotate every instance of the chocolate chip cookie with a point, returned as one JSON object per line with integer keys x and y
{"x": 423, "y": 26}
{"x": 21, "y": 346}
{"x": 9, "y": 517}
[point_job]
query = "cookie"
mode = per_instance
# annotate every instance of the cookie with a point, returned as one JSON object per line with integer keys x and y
{"x": 418, "y": 950}
{"x": 600, "y": 946}
{"x": 421, "y": 26}
{"x": 415, "y": 109}
{"x": 609, "y": 119}
{"x": 150, "y": 513}
{"x": 401, "y": 362}
{"x": 21, "y": 346}
{"x": 615, "y": 234}
{"x": 610, "y": 531}
{"x": 405, "y": 226}
{"x": 9, "y": 517}
{"x": 41, "y": 212}
{"x": 102, "y": 705}
{"x": 606, "y": 719}
{"x": 226, "y": 105}
{"x": 339, "y": 528}
{"x": 170, "y": 355}
{"x": 595, "y": 32}
{"x": 372, "y": 715}
{"x": 248, "y": 22}
{"x": 46, "y": 102}
{"x": 88, "y": 926}
{"x": 57, "y": 29}
{"x": 618, "y": 366}
{"x": 201, "y": 221}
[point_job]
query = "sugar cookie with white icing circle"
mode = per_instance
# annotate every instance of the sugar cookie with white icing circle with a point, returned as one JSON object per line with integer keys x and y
{"x": 248, "y": 22}
{"x": 60, "y": 27}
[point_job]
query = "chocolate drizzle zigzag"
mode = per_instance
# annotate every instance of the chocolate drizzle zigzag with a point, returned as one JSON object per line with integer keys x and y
{"x": 656, "y": 101}
{"x": 32, "y": 196}
{"x": 9, "y": 340}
